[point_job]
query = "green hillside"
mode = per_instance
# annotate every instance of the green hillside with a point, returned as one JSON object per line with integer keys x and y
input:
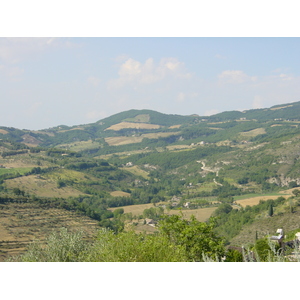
{"x": 170, "y": 162}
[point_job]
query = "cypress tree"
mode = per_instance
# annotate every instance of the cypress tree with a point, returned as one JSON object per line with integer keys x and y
{"x": 271, "y": 210}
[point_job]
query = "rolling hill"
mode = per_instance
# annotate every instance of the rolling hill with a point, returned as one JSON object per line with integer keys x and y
{"x": 170, "y": 162}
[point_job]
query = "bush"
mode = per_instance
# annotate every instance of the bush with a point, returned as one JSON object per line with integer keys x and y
{"x": 63, "y": 246}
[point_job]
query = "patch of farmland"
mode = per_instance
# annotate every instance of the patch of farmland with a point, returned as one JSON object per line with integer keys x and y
{"x": 253, "y": 132}
{"x": 281, "y": 107}
{"x": 136, "y": 210}
{"x": 65, "y": 174}
{"x": 21, "y": 171}
{"x": 3, "y": 131}
{"x": 125, "y": 154}
{"x": 77, "y": 128}
{"x": 119, "y": 194}
{"x": 20, "y": 161}
{"x": 80, "y": 145}
{"x": 22, "y": 223}
{"x": 255, "y": 200}
{"x": 175, "y": 126}
{"x": 35, "y": 185}
{"x": 123, "y": 125}
{"x": 123, "y": 140}
{"x": 201, "y": 214}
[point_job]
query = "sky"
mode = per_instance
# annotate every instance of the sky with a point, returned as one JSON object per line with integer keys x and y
{"x": 45, "y": 82}
{"x": 62, "y": 79}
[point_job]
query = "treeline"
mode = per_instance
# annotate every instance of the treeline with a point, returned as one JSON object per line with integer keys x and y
{"x": 11, "y": 145}
{"x": 13, "y": 152}
{"x": 226, "y": 191}
{"x": 59, "y": 152}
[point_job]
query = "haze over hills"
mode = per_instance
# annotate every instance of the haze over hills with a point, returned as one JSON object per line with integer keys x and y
{"x": 140, "y": 164}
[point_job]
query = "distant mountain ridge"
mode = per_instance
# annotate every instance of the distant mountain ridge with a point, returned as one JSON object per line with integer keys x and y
{"x": 62, "y": 133}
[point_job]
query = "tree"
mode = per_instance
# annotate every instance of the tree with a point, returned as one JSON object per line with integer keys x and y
{"x": 194, "y": 237}
{"x": 18, "y": 192}
{"x": 224, "y": 208}
{"x": 271, "y": 210}
{"x": 296, "y": 192}
{"x": 117, "y": 212}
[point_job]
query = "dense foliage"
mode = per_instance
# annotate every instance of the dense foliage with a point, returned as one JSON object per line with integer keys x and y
{"x": 176, "y": 240}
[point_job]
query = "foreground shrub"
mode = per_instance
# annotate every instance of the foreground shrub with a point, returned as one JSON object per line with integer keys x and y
{"x": 63, "y": 246}
{"x": 133, "y": 247}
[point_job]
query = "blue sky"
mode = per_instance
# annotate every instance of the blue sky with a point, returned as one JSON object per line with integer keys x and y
{"x": 46, "y": 82}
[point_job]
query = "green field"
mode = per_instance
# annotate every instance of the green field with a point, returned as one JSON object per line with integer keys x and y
{"x": 21, "y": 171}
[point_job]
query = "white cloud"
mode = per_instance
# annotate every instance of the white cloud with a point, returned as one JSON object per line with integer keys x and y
{"x": 235, "y": 76}
{"x": 93, "y": 80}
{"x": 135, "y": 72}
{"x": 130, "y": 68}
{"x": 121, "y": 58}
{"x": 285, "y": 77}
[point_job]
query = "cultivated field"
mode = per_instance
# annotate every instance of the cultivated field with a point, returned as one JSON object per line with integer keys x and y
{"x": 119, "y": 194}
{"x": 35, "y": 185}
{"x": 124, "y": 154}
{"x": 253, "y": 132}
{"x": 255, "y": 200}
{"x": 3, "y": 131}
{"x": 201, "y": 214}
{"x": 77, "y": 128}
{"x": 80, "y": 145}
{"x": 136, "y": 210}
{"x": 21, "y": 223}
{"x": 158, "y": 134}
{"x": 123, "y": 125}
{"x": 123, "y": 140}
{"x": 281, "y": 107}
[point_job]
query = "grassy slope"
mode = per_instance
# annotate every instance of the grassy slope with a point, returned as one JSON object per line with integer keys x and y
{"x": 266, "y": 226}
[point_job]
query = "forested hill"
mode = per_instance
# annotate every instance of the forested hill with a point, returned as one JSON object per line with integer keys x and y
{"x": 140, "y": 164}
{"x": 99, "y": 129}
{"x": 288, "y": 111}
{"x": 142, "y": 121}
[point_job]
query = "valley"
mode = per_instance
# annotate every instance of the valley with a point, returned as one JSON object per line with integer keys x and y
{"x": 140, "y": 165}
